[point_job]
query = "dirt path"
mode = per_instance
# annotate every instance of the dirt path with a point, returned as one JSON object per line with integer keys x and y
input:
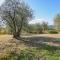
{"x": 44, "y": 35}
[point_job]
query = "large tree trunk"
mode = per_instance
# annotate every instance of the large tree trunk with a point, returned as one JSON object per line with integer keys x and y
{"x": 21, "y": 26}
{"x": 16, "y": 35}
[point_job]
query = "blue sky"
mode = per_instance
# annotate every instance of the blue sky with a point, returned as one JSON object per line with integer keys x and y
{"x": 44, "y": 10}
{"x": 1, "y": 1}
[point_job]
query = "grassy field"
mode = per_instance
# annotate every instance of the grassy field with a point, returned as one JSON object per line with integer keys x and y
{"x": 32, "y": 47}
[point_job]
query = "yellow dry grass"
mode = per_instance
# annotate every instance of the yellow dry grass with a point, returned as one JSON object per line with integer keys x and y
{"x": 8, "y": 44}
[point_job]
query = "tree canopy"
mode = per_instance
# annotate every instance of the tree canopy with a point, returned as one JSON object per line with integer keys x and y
{"x": 57, "y": 21}
{"x": 16, "y": 14}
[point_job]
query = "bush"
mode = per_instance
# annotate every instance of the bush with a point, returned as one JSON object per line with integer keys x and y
{"x": 53, "y": 32}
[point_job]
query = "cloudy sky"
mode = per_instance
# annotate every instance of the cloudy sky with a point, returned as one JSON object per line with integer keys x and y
{"x": 44, "y": 10}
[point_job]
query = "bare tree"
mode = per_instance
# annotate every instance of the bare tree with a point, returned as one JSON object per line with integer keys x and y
{"x": 15, "y": 13}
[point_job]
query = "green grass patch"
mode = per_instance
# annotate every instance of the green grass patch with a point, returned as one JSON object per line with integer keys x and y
{"x": 44, "y": 53}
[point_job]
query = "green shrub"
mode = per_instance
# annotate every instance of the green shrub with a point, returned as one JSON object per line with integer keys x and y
{"x": 53, "y": 32}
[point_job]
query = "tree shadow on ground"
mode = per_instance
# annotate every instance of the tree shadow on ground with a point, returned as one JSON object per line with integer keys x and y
{"x": 40, "y": 42}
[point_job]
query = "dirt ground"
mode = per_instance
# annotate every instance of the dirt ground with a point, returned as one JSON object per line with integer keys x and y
{"x": 8, "y": 44}
{"x": 6, "y": 37}
{"x": 53, "y": 39}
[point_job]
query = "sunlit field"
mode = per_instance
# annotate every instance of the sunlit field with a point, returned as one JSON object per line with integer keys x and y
{"x": 9, "y": 47}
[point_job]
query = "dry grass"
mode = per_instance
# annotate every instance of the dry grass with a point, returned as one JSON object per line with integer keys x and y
{"x": 8, "y": 44}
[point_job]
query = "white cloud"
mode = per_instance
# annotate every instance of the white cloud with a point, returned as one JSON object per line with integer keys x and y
{"x": 40, "y": 20}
